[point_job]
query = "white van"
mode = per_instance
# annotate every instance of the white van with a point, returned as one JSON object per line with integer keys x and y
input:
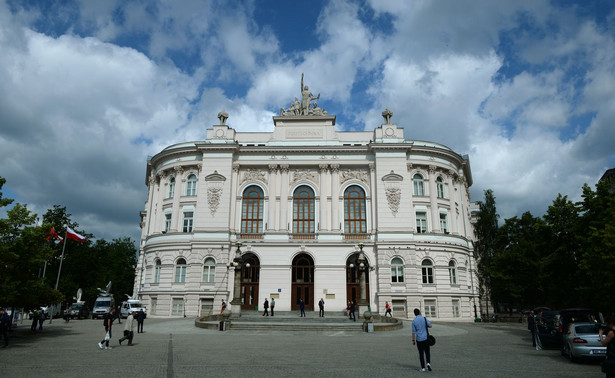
{"x": 102, "y": 305}
{"x": 132, "y": 305}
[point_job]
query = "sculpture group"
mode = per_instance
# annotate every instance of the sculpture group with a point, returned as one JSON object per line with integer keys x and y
{"x": 304, "y": 107}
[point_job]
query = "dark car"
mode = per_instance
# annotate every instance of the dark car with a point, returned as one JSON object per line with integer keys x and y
{"x": 79, "y": 311}
{"x": 547, "y": 323}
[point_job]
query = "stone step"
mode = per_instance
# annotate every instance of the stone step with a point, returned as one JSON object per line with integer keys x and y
{"x": 250, "y": 326}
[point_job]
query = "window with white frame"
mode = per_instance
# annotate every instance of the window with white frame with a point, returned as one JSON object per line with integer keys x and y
{"x": 252, "y": 207}
{"x": 452, "y": 272}
{"x": 304, "y": 207}
{"x": 430, "y": 308}
{"x": 191, "y": 185}
{"x": 209, "y": 270}
{"x": 178, "y": 307}
{"x": 443, "y": 223}
{"x": 355, "y": 219}
{"x": 171, "y": 188}
{"x": 188, "y": 221}
{"x": 427, "y": 271}
{"x": 180, "y": 271}
{"x": 440, "y": 187}
{"x": 167, "y": 222}
{"x": 419, "y": 188}
{"x": 157, "y": 268}
{"x": 421, "y": 221}
{"x": 456, "y": 308}
{"x": 397, "y": 270}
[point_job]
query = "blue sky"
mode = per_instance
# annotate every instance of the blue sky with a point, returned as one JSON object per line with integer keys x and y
{"x": 91, "y": 88}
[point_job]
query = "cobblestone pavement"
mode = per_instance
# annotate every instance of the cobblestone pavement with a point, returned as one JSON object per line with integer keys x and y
{"x": 175, "y": 348}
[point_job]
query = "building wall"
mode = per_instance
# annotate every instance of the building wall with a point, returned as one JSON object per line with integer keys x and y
{"x": 308, "y": 151}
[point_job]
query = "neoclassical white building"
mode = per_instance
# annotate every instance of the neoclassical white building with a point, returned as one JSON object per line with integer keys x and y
{"x": 307, "y": 212}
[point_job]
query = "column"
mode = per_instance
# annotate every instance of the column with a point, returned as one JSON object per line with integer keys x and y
{"x": 234, "y": 214}
{"x": 410, "y": 191}
{"x": 335, "y": 185}
{"x": 433, "y": 191}
{"x": 452, "y": 216}
{"x": 175, "y": 215}
{"x": 158, "y": 205}
{"x": 373, "y": 195}
{"x": 323, "y": 216}
{"x": 151, "y": 212}
{"x": 284, "y": 197}
{"x": 271, "y": 204}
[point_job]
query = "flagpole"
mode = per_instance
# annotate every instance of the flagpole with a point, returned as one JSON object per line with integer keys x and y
{"x": 59, "y": 270}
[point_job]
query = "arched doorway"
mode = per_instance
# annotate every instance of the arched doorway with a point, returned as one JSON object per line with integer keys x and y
{"x": 250, "y": 273}
{"x": 302, "y": 282}
{"x": 352, "y": 279}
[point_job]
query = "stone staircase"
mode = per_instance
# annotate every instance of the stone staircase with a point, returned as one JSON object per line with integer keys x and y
{"x": 291, "y": 321}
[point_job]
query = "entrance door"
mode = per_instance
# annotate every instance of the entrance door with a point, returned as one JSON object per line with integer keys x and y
{"x": 302, "y": 282}
{"x": 250, "y": 274}
{"x": 353, "y": 275}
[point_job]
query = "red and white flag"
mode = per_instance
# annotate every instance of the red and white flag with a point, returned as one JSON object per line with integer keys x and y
{"x": 70, "y": 234}
{"x": 53, "y": 234}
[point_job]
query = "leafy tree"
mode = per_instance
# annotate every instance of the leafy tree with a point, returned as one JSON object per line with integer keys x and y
{"x": 485, "y": 230}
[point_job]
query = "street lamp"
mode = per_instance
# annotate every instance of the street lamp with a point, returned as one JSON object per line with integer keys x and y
{"x": 236, "y": 302}
{"x": 362, "y": 262}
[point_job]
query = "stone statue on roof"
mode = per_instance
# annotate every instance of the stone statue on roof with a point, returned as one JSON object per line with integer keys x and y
{"x": 302, "y": 108}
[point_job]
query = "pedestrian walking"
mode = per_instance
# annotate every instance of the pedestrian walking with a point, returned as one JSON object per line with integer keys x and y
{"x": 301, "y": 308}
{"x": 531, "y": 325}
{"x": 223, "y": 306}
{"x": 35, "y": 316}
{"x": 118, "y": 314}
{"x": 607, "y": 339}
{"x": 5, "y": 323}
{"x": 140, "y": 319}
{"x": 387, "y": 309}
{"x": 266, "y": 307}
{"x": 272, "y": 305}
{"x": 129, "y": 328}
{"x": 351, "y": 311}
{"x": 107, "y": 322}
{"x": 419, "y": 338}
{"x": 41, "y": 319}
{"x": 67, "y": 312}
{"x": 321, "y": 308}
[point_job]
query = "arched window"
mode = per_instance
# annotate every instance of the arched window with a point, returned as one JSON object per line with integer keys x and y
{"x": 171, "y": 188}
{"x": 209, "y": 270}
{"x": 427, "y": 271}
{"x": 440, "y": 187}
{"x": 452, "y": 272}
{"x": 180, "y": 271}
{"x": 303, "y": 211}
{"x": 397, "y": 270}
{"x": 191, "y": 185}
{"x": 354, "y": 211}
{"x": 252, "y": 210}
{"x": 157, "y": 267}
{"x": 419, "y": 189}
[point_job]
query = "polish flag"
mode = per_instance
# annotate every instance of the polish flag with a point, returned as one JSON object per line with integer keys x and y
{"x": 53, "y": 234}
{"x": 70, "y": 234}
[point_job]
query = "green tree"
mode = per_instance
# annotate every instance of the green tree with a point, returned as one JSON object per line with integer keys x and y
{"x": 485, "y": 231}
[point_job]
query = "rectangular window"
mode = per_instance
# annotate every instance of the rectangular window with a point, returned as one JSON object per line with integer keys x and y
{"x": 157, "y": 273}
{"x": 188, "y": 221}
{"x": 209, "y": 273}
{"x": 456, "y": 310}
{"x": 452, "y": 273}
{"x": 427, "y": 274}
{"x": 154, "y": 305}
{"x": 178, "y": 307}
{"x": 207, "y": 306}
{"x": 421, "y": 222}
{"x": 397, "y": 273}
{"x": 443, "y": 223}
{"x": 167, "y": 222}
{"x": 430, "y": 308}
{"x": 180, "y": 273}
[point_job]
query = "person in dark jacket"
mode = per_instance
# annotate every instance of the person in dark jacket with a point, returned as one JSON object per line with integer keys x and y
{"x": 266, "y": 307}
{"x": 321, "y": 308}
{"x": 108, "y": 323}
{"x": 140, "y": 318}
{"x": 531, "y": 325}
{"x": 301, "y": 308}
{"x": 5, "y": 323}
{"x": 607, "y": 339}
{"x": 118, "y": 314}
{"x": 352, "y": 309}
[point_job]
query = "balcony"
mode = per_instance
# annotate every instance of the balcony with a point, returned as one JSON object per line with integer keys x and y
{"x": 356, "y": 236}
{"x": 303, "y": 236}
{"x": 250, "y": 236}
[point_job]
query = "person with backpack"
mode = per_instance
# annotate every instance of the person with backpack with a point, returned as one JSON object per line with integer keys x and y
{"x": 107, "y": 322}
{"x": 419, "y": 338}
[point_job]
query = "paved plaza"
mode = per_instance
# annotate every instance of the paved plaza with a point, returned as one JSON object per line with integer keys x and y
{"x": 175, "y": 348}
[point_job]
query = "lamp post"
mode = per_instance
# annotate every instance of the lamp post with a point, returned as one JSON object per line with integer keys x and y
{"x": 236, "y": 302}
{"x": 362, "y": 265}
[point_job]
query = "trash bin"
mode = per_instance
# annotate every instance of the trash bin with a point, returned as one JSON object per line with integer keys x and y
{"x": 370, "y": 327}
{"x": 222, "y": 326}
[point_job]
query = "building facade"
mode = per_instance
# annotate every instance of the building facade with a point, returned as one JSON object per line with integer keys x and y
{"x": 307, "y": 212}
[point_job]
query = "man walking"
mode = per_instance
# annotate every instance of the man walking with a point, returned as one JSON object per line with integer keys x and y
{"x": 129, "y": 329}
{"x": 108, "y": 322}
{"x": 321, "y": 308}
{"x": 352, "y": 309}
{"x": 301, "y": 308}
{"x": 266, "y": 307}
{"x": 272, "y": 305}
{"x": 419, "y": 338}
{"x": 531, "y": 325}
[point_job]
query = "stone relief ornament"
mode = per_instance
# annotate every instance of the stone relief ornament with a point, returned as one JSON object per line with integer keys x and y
{"x": 393, "y": 199}
{"x": 304, "y": 175}
{"x": 215, "y": 183}
{"x": 348, "y": 174}
{"x": 304, "y": 107}
{"x": 254, "y": 174}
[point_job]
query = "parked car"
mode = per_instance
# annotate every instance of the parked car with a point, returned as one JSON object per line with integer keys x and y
{"x": 79, "y": 310}
{"x": 581, "y": 340}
